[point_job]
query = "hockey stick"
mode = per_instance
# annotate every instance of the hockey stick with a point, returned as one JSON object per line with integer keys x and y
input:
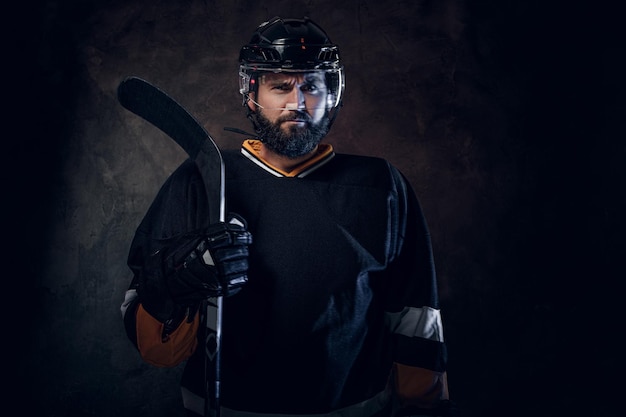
{"x": 158, "y": 108}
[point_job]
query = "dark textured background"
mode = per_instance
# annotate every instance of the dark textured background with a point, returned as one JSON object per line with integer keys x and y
{"x": 506, "y": 116}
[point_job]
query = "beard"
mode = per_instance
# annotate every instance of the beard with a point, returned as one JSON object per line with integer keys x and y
{"x": 298, "y": 141}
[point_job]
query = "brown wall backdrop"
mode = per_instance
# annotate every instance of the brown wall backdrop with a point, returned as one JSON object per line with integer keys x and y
{"x": 506, "y": 116}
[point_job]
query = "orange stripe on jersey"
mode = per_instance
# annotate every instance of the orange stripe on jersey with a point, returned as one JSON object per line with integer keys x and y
{"x": 419, "y": 386}
{"x": 177, "y": 347}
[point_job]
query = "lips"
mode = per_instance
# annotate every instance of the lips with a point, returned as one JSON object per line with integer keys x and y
{"x": 296, "y": 118}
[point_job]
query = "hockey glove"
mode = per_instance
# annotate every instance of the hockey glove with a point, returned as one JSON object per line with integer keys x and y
{"x": 195, "y": 266}
{"x": 216, "y": 266}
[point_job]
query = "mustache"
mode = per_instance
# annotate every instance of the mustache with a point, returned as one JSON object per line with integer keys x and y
{"x": 295, "y": 115}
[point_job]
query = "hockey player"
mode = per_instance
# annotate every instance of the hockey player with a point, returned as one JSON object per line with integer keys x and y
{"x": 330, "y": 301}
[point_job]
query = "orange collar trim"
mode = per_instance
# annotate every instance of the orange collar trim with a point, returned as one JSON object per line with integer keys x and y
{"x": 251, "y": 149}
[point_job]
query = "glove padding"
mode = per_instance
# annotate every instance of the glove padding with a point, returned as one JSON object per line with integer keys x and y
{"x": 216, "y": 266}
{"x": 193, "y": 267}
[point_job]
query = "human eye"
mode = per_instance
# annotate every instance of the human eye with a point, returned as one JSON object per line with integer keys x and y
{"x": 313, "y": 84}
{"x": 312, "y": 87}
{"x": 307, "y": 87}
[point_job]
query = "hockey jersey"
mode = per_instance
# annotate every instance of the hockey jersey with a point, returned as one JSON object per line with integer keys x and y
{"x": 340, "y": 315}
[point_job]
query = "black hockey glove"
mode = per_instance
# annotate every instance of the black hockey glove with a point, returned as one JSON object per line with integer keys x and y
{"x": 196, "y": 266}
{"x": 216, "y": 266}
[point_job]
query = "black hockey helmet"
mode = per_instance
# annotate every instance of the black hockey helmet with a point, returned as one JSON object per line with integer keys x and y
{"x": 291, "y": 45}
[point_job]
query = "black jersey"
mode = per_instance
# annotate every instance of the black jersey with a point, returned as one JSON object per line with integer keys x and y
{"x": 341, "y": 282}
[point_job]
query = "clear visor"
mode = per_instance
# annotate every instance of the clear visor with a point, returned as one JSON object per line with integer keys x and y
{"x": 312, "y": 89}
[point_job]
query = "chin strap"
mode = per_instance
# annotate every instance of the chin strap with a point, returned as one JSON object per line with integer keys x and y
{"x": 242, "y": 132}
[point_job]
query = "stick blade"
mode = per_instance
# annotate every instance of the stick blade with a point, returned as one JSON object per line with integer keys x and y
{"x": 158, "y": 108}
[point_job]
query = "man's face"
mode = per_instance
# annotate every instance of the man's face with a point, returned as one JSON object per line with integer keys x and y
{"x": 290, "y": 111}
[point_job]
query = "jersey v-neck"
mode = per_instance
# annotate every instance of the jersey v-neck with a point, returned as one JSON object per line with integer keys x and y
{"x": 251, "y": 149}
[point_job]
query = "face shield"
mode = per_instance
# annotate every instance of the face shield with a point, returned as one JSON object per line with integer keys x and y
{"x": 313, "y": 89}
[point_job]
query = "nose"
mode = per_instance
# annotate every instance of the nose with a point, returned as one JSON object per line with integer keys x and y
{"x": 297, "y": 100}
